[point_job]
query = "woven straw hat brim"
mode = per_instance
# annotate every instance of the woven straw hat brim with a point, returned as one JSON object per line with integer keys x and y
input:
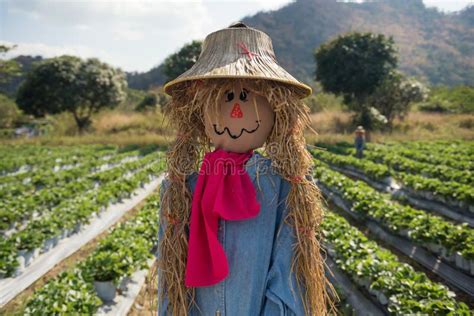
{"x": 238, "y": 52}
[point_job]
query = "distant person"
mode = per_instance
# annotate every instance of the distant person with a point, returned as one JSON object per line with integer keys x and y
{"x": 359, "y": 141}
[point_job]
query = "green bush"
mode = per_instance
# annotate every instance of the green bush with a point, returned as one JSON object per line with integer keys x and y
{"x": 10, "y": 112}
{"x": 458, "y": 99}
{"x": 323, "y": 101}
{"x": 435, "y": 105}
{"x": 149, "y": 102}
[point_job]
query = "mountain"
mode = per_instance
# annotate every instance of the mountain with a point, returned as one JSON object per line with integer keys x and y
{"x": 467, "y": 16}
{"x": 433, "y": 46}
{"x": 145, "y": 80}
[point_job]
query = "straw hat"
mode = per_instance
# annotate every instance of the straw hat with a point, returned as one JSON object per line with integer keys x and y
{"x": 238, "y": 51}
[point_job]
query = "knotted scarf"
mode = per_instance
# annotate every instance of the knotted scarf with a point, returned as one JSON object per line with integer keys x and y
{"x": 223, "y": 190}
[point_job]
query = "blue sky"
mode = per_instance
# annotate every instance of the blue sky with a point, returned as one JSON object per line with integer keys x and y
{"x": 134, "y": 35}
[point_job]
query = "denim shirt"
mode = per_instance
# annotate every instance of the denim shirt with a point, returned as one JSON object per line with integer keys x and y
{"x": 258, "y": 251}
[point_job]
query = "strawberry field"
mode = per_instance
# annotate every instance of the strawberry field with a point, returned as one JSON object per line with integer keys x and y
{"x": 79, "y": 227}
{"x": 94, "y": 206}
{"x": 399, "y": 225}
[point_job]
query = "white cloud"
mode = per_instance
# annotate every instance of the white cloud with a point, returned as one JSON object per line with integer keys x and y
{"x": 135, "y": 34}
{"x": 48, "y": 51}
{"x": 270, "y": 4}
{"x": 27, "y": 13}
{"x": 121, "y": 20}
{"x": 127, "y": 31}
{"x": 448, "y": 5}
{"x": 82, "y": 27}
{"x": 443, "y": 5}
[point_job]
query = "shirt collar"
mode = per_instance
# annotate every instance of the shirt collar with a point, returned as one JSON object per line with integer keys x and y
{"x": 253, "y": 165}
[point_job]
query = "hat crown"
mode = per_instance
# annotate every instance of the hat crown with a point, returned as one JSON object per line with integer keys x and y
{"x": 237, "y": 41}
{"x": 238, "y": 51}
{"x": 237, "y": 24}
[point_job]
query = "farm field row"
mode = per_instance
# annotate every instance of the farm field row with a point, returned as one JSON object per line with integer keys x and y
{"x": 68, "y": 213}
{"x": 81, "y": 289}
{"x": 81, "y": 206}
{"x": 393, "y": 286}
{"x": 452, "y": 150}
{"x": 428, "y": 154}
{"x": 453, "y": 242}
{"x": 20, "y": 208}
{"x": 398, "y": 162}
{"x": 43, "y": 178}
{"x": 435, "y": 244}
{"x": 451, "y": 194}
{"x": 19, "y": 159}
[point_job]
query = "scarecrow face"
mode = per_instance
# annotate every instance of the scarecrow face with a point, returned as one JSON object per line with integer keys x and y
{"x": 244, "y": 122}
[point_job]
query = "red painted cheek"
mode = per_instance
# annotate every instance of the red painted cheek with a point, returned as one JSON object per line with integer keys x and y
{"x": 236, "y": 111}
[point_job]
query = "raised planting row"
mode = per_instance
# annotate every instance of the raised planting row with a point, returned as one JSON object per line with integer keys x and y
{"x": 21, "y": 209}
{"x": 29, "y": 158}
{"x": 433, "y": 156}
{"x": 451, "y": 193}
{"x": 375, "y": 171}
{"x": 395, "y": 285}
{"x": 41, "y": 235}
{"x": 453, "y": 242}
{"x": 447, "y": 192}
{"x": 401, "y": 163}
{"x": 460, "y": 147}
{"x": 27, "y": 183}
{"x": 123, "y": 251}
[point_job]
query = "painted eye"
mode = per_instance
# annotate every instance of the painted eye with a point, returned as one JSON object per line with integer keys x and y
{"x": 243, "y": 95}
{"x": 229, "y": 96}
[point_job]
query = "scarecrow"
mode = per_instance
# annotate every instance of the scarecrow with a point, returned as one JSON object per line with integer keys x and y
{"x": 239, "y": 227}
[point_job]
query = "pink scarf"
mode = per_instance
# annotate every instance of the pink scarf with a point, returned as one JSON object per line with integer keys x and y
{"x": 223, "y": 190}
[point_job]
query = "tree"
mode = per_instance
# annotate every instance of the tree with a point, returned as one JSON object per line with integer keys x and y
{"x": 10, "y": 112}
{"x": 150, "y": 101}
{"x": 184, "y": 59}
{"x": 395, "y": 94}
{"x": 68, "y": 83}
{"x": 353, "y": 66}
{"x": 8, "y": 68}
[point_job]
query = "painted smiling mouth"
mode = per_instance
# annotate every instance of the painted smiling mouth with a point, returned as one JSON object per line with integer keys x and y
{"x": 241, "y": 131}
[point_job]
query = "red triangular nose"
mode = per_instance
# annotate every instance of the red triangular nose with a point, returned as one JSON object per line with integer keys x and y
{"x": 236, "y": 111}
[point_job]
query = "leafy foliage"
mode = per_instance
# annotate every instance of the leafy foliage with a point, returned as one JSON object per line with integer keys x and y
{"x": 395, "y": 94}
{"x": 450, "y": 192}
{"x": 66, "y": 294}
{"x": 458, "y": 99}
{"x": 185, "y": 58}
{"x": 8, "y": 68}
{"x": 68, "y": 205}
{"x": 124, "y": 250}
{"x": 10, "y": 112}
{"x": 354, "y": 65}
{"x": 417, "y": 225}
{"x": 396, "y": 285}
{"x": 67, "y": 83}
{"x": 149, "y": 102}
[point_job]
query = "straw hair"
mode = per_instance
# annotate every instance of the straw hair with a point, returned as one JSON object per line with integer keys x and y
{"x": 238, "y": 51}
{"x": 285, "y": 147}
